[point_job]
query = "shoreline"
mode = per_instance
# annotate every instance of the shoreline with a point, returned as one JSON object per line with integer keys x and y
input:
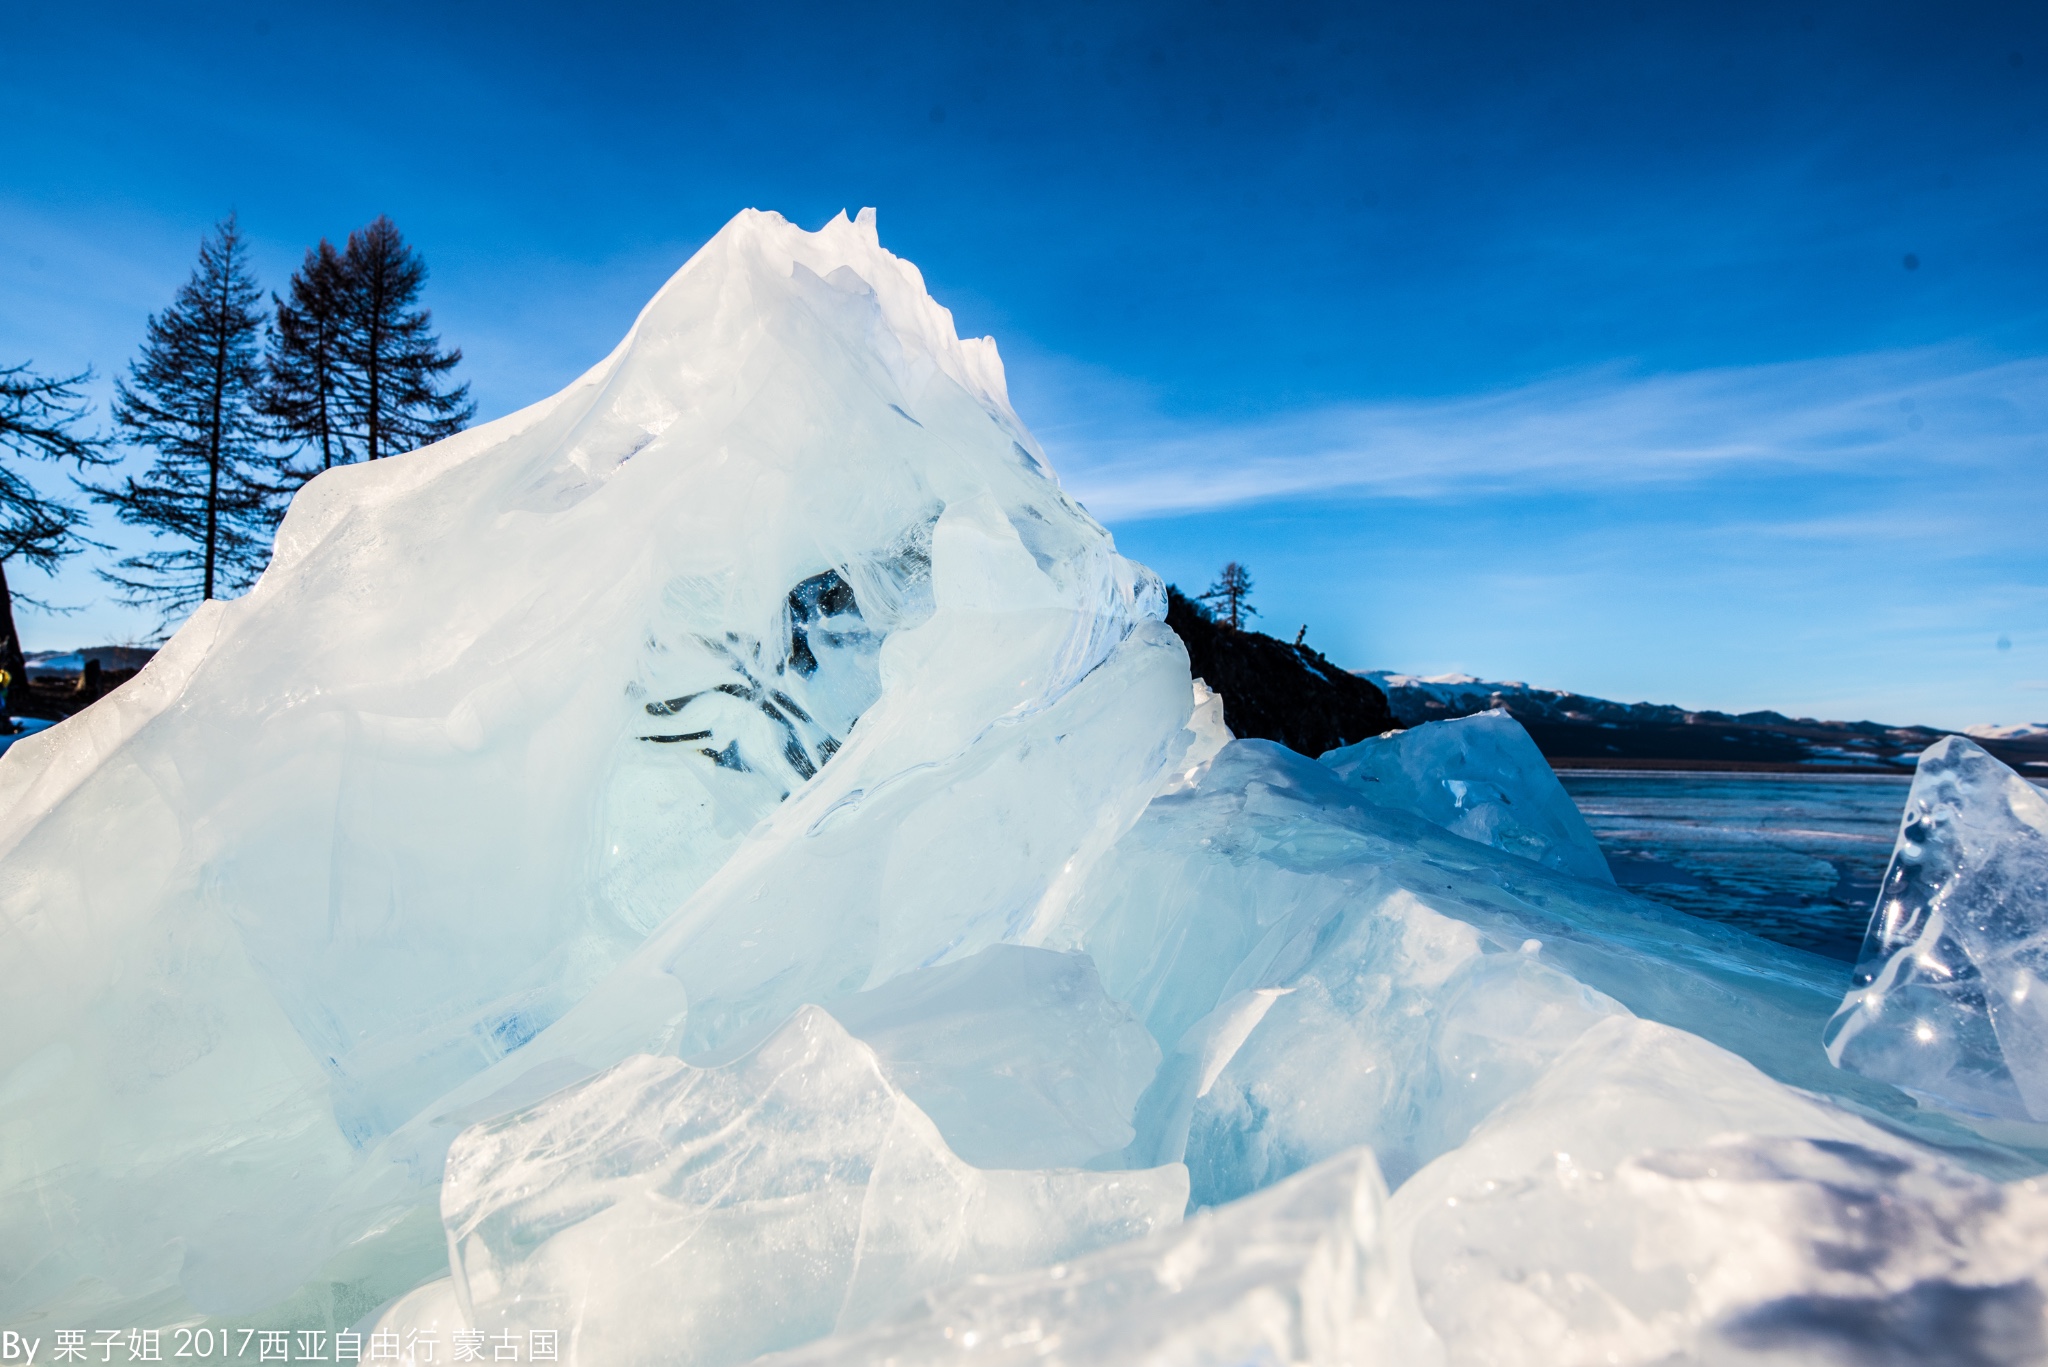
{"x": 1589, "y": 765}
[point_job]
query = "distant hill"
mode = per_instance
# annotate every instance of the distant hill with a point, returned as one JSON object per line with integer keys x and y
{"x": 1579, "y": 732}
{"x": 50, "y": 664}
{"x": 61, "y": 682}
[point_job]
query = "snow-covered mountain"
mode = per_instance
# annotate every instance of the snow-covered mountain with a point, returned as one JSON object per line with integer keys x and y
{"x": 2026, "y": 730}
{"x": 728, "y": 860}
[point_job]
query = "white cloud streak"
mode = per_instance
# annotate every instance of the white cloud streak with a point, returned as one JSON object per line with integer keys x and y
{"x": 1885, "y": 413}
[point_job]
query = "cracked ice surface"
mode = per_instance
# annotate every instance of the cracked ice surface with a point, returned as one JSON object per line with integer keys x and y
{"x": 747, "y": 831}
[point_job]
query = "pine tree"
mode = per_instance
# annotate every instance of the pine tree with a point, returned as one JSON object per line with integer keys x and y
{"x": 37, "y": 417}
{"x": 1232, "y": 595}
{"x": 190, "y": 397}
{"x": 301, "y": 389}
{"x": 391, "y": 361}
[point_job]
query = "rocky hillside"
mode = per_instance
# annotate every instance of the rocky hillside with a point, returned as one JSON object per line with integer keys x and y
{"x": 1273, "y": 690}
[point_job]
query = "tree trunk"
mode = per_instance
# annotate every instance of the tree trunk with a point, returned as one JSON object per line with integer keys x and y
{"x": 220, "y": 384}
{"x": 373, "y": 363}
{"x": 11, "y": 658}
{"x": 326, "y": 382}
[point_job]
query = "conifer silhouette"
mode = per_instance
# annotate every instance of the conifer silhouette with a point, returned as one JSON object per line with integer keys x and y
{"x": 303, "y": 360}
{"x": 392, "y": 360}
{"x": 38, "y": 415}
{"x": 190, "y": 398}
{"x": 355, "y": 368}
{"x": 1231, "y": 595}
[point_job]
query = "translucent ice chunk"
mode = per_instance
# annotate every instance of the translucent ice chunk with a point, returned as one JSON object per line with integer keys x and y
{"x": 1950, "y": 994}
{"x": 1296, "y": 1275}
{"x": 1016, "y": 1054}
{"x": 1402, "y": 1032}
{"x": 1480, "y": 777}
{"x": 1209, "y": 734}
{"x": 668, "y": 1213}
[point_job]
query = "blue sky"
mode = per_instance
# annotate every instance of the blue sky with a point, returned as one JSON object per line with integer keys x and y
{"x": 1684, "y": 352}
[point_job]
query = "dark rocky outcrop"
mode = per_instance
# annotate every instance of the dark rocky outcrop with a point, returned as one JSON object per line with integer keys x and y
{"x": 1276, "y": 691}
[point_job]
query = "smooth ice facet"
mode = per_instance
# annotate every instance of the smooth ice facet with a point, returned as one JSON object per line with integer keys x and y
{"x": 1950, "y": 995}
{"x": 1294, "y": 1275}
{"x": 667, "y": 1213}
{"x": 1480, "y": 777}
{"x": 1016, "y": 1055}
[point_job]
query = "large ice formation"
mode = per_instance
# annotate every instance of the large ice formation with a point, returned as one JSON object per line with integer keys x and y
{"x": 729, "y": 860}
{"x": 1482, "y": 777}
{"x": 1950, "y": 996}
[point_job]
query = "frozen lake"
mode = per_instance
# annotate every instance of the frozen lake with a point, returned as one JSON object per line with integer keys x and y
{"x": 1796, "y": 858}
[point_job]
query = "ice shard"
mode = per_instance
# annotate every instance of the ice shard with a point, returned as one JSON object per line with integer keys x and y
{"x": 758, "y": 1205}
{"x": 1480, "y": 777}
{"x": 1297, "y": 1274}
{"x": 1950, "y": 994}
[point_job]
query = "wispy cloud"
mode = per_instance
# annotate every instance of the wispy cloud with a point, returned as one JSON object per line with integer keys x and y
{"x": 1878, "y": 413}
